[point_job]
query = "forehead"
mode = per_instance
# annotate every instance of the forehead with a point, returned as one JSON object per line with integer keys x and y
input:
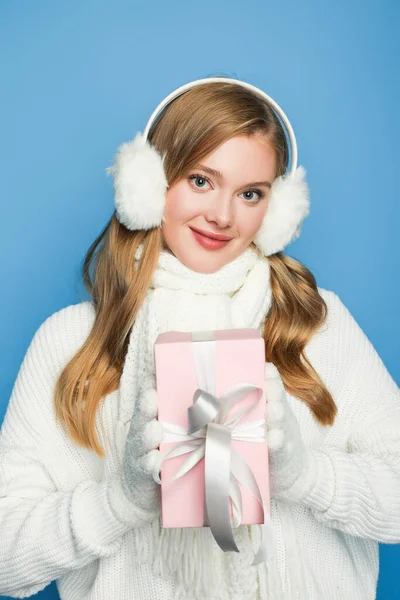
{"x": 240, "y": 156}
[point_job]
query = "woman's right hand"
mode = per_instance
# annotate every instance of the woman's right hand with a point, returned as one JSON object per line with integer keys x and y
{"x": 142, "y": 458}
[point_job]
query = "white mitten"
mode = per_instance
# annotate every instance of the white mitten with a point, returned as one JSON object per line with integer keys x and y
{"x": 289, "y": 458}
{"x": 141, "y": 459}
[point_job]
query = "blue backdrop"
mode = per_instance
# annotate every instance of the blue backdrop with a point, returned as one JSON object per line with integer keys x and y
{"x": 79, "y": 77}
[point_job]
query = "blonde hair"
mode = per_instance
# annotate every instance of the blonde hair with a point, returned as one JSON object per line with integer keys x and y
{"x": 191, "y": 127}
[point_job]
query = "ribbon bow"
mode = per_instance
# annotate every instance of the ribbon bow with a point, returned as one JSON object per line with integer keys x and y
{"x": 209, "y": 434}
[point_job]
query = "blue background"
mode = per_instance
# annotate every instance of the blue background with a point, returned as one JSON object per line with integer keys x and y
{"x": 78, "y": 78}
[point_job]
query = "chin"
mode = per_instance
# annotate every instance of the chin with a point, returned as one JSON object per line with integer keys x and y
{"x": 199, "y": 259}
{"x": 206, "y": 268}
{"x": 203, "y": 262}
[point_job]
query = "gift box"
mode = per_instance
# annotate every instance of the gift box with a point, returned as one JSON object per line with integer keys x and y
{"x": 213, "y": 362}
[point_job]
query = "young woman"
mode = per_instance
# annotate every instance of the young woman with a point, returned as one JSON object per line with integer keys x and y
{"x": 204, "y": 209}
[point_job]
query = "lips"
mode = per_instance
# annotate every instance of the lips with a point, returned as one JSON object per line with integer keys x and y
{"x": 211, "y": 235}
{"x": 208, "y": 242}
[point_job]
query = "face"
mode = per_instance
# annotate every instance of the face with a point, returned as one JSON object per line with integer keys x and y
{"x": 226, "y": 195}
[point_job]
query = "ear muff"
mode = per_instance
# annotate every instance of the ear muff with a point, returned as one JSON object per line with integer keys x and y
{"x": 140, "y": 184}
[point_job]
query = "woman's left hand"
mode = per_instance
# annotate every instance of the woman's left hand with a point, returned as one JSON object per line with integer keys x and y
{"x": 289, "y": 458}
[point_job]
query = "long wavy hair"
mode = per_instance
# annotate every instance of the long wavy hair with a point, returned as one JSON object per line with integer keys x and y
{"x": 190, "y": 128}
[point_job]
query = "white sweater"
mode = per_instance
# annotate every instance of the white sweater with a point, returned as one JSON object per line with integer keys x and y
{"x": 56, "y": 522}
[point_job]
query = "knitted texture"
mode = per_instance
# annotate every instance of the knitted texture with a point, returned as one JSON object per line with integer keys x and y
{"x": 56, "y": 520}
{"x": 141, "y": 457}
{"x": 289, "y": 457}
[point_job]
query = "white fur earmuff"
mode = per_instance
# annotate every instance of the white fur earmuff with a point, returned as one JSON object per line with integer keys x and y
{"x": 288, "y": 205}
{"x": 140, "y": 184}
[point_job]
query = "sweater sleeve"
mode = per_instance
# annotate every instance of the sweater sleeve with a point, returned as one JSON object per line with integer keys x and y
{"x": 356, "y": 489}
{"x": 46, "y": 531}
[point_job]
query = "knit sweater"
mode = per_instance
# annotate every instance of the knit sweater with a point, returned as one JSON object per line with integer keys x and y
{"x": 57, "y": 523}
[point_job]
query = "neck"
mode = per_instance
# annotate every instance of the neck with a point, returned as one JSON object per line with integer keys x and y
{"x": 172, "y": 274}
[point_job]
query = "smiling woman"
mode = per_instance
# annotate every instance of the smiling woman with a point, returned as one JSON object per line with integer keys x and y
{"x": 235, "y": 137}
{"x": 79, "y": 447}
{"x": 226, "y": 206}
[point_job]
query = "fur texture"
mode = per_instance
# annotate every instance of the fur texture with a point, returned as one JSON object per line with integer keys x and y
{"x": 140, "y": 184}
{"x": 288, "y": 206}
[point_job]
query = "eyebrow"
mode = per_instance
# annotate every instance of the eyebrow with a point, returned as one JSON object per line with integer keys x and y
{"x": 219, "y": 175}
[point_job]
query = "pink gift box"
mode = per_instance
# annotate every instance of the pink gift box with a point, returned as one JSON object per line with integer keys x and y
{"x": 240, "y": 358}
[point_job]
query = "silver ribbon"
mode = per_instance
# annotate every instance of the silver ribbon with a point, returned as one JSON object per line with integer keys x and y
{"x": 209, "y": 434}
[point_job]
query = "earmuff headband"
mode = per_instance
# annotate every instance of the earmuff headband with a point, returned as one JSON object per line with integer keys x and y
{"x": 187, "y": 86}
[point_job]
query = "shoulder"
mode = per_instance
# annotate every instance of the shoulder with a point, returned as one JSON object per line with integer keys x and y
{"x": 62, "y": 333}
{"x": 340, "y": 331}
{"x": 52, "y": 346}
{"x": 344, "y": 356}
{"x": 71, "y": 318}
{"x": 29, "y": 413}
{"x": 341, "y": 327}
{"x": 336, "y": 307}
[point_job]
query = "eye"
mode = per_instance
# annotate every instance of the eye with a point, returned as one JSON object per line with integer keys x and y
{"x": 200, "y": 178}
{"x": 258, "y": 192}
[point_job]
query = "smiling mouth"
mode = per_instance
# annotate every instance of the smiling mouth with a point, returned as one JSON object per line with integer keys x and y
{"x": 208, "y": 243}
{"x": 211, "y": 236}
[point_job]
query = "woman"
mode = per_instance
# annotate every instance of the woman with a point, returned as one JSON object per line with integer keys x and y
{"x": 79, "y": 442}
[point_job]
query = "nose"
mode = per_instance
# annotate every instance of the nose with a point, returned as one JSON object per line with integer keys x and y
{"x": 220, "y": 211}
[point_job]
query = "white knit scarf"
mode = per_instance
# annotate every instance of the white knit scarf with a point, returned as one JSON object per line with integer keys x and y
{"x": 237, "y": 295}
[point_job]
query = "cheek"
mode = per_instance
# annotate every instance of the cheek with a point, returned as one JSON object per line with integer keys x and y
{"x": 251, "y": 219}
{"x": 178, "y": 204}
